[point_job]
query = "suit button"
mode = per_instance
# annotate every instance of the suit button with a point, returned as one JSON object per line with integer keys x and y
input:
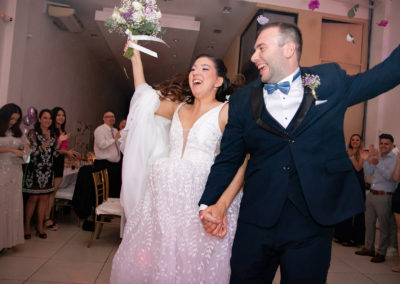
{"x": 291, "y": 141}
{"x": 286, "y": 168}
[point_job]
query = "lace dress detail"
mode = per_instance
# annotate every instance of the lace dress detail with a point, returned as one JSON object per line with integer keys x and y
{"x": 11, "y": 217}
{"x": 164, "y": 241}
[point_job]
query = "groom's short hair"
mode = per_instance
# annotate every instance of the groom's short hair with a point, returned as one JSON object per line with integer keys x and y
{"x": 290, "y": 32}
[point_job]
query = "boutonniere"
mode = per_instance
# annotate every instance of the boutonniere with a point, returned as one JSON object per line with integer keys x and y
{"x": 312, "y": 82}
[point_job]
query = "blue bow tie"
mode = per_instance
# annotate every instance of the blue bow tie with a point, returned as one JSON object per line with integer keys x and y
{"x": 284, "y": 87}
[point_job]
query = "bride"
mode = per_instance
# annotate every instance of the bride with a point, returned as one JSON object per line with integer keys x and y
{"x": 169, "y": 147}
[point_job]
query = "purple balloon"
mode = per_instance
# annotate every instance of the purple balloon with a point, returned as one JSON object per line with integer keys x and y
{"x": 25, "y": 129}
{"x": 26, "y": 120}
{"x": 32, "y": 113}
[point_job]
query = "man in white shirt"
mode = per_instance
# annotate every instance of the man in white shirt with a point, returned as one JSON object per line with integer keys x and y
{"x": 106, "y": 149}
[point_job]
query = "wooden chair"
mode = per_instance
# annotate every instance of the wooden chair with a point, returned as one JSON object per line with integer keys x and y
{"x": 105, "y": 207}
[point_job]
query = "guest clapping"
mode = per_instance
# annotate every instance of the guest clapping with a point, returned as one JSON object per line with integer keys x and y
{"x": 12, "y": 145}
{"x": 38, "y": 179}
{"x": 59, "y": 119}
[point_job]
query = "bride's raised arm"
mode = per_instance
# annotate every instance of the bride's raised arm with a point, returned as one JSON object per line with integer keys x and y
{"x": 166, "y": 108}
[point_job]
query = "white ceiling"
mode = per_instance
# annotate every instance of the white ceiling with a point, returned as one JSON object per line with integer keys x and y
{"x": 183, "y": 44}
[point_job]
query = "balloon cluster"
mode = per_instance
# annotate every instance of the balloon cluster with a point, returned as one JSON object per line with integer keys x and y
{"x": 29, "y": 120}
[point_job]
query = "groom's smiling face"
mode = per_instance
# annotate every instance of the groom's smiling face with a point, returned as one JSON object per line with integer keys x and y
{"x": 269, "y": 55}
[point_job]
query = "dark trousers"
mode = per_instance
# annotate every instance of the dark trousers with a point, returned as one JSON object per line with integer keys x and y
{"x": 114, "y": 175}
{"x": 297, "y": 244}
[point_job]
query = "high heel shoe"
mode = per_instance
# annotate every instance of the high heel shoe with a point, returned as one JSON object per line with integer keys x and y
{"x": 27, "y": 236}
{"x": 41, "y": 235}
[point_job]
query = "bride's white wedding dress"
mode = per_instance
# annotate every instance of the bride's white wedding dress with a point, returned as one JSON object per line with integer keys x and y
{"x": 164, "y": 240}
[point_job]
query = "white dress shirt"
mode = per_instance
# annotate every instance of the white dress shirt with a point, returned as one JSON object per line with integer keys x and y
{"x": 283, "y": 107}
{"x": 105, "y": 147}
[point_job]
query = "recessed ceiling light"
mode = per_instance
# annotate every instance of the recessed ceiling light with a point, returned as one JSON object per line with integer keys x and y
{"x": 217, "y": 31}
{"x": 175, "y": 40}
{"x": 227, "y": 10}
{"x": 174, "y": 55}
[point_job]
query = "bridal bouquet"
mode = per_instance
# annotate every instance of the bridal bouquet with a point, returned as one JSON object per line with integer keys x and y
{"x": 140, "y": 20}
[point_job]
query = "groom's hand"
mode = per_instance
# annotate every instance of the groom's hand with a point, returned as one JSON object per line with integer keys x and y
{"x": 214, "y": 221}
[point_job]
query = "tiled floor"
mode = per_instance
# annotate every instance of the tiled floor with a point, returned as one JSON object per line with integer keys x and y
{"x": 64, "y": 258}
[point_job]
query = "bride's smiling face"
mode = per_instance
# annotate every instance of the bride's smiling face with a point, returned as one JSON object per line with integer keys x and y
{"x": 203, "y": 78}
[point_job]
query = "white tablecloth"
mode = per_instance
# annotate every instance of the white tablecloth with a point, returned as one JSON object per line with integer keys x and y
{"x": 67, "y": 186}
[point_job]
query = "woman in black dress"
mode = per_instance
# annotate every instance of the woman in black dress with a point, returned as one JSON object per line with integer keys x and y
{"x": 59, "y": 119}
{"x": 39, "y": 173}
{"x": 396, "y": 207}
{"x": 351, "y": 232}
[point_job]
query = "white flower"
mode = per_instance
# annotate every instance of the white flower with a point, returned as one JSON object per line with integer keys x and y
{"x": 137, "y": 6}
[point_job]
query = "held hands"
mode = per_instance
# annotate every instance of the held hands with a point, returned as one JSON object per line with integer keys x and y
{"x": 214, "y": 220}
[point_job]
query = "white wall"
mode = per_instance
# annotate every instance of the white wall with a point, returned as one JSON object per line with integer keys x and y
{"x": 50, "y": 67}
{"x": 9, "y": 8}
{"x": 383, "y": 112}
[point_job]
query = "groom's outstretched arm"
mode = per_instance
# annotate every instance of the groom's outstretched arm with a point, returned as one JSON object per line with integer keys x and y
{"x": 232, "y": 153}
{"x": 379, "y": 79}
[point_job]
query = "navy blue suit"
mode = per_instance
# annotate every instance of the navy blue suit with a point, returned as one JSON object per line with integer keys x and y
{"x": 303, "y": 169}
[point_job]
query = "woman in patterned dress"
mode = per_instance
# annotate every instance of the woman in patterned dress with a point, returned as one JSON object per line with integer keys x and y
{"x": 39, "y": 174}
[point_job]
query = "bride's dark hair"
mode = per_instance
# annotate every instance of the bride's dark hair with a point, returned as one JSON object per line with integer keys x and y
{"x": 225, "y": 89}
{"x": 175, "y": 89}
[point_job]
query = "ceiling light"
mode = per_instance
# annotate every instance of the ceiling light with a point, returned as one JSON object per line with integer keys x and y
{"x": 175, "y": 40}
{"x": 227, "y": 10}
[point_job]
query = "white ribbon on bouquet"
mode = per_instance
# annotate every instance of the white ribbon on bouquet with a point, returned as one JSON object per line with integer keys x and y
{"x": 143, "y": 37}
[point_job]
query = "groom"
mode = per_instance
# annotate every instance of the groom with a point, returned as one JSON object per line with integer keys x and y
{"x": 299, "y": 181}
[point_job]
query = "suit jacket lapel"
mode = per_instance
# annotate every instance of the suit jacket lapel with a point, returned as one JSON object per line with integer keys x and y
{"x": 257, "y": 106}
{"x": 305, "y": 106}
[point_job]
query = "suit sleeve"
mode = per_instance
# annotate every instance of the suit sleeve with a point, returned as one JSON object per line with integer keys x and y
{"x": 231, "y": 156}
{"x": 379, "y": 79}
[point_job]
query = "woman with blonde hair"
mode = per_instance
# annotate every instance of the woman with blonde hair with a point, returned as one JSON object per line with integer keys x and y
{"x": 351, "y": 232}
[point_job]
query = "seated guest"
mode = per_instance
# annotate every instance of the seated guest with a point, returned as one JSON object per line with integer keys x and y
{"x": 12, "y": 146}
{"x": 351, "y": 232}
{"x": 380, "y": 165}
{"x": 396, "y": 208}
{"x": 106, "y": 150}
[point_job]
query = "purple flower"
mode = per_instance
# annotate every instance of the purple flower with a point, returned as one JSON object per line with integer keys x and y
{"x": 262, "y": 20}
{"x": 308, "y": 80}
{"x": 314, "y": 4}
{"x": 127, "y": 15}
{"x": 148, "y": 10}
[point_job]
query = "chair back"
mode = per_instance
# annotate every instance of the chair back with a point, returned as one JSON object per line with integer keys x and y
{"x": 101, "y": 184}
